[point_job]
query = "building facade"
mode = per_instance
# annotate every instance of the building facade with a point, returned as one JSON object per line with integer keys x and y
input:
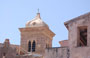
{"x": 36, "y": 40}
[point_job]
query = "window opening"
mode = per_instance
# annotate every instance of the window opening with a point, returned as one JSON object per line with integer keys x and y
{"x": 83, "y": 37}
{"x": 33, "y": 46}
{"x": 29, "y": 46}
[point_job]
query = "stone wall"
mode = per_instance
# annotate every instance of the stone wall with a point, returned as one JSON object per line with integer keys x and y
{"x": 9, "y": 52}
{"x": 0, "y": 52}
{"x": 61, "y": 52}
{"x": 64, "y": 43}
{"x": 73, "y": 26}
{"x": 80, "y": 52}
{"x": 6, "y": 51}
{"x": 27, "y": 57}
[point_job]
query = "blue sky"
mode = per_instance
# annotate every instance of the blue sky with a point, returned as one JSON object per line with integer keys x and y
{"x": 15, "y": 13}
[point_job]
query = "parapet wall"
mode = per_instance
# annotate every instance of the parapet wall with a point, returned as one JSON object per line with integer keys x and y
{"x": 80, "y": 52}
{"x": 61, "y": 52}
{"x": 27, "y": 57}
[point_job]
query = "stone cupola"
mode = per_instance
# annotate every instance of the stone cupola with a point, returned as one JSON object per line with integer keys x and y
{"x": 36, "y": 22}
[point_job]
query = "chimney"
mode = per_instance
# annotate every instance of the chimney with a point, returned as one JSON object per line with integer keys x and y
{"x": 6, "y": 43}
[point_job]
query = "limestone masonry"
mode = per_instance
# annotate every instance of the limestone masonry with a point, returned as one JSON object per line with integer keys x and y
{"x": 36, "y": 40}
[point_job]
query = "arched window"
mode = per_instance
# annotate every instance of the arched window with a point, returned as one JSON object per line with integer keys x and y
{"x": 33, "y": 46}
{"x": 29, "y": 46}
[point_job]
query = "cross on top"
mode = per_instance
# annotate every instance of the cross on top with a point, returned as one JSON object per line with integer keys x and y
{"x": 38, "y": 10}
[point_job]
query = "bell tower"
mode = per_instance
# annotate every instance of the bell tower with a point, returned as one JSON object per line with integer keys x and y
{"x": 36, "y": 36}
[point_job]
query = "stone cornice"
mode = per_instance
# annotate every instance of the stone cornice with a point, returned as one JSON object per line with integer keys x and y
{"x": 43, "y": 30}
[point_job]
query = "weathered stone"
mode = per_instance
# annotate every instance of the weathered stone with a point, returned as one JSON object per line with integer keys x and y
{"x": 38, "y": 32}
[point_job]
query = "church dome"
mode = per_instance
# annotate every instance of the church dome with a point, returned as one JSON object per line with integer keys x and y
{"x": 36, "y": 22}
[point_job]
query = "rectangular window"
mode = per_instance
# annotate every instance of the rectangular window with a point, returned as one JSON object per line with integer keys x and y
{"x": 82, "y": 39}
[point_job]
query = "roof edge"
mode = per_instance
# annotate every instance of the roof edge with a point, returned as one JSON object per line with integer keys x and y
{"x": 74, "y": 19}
